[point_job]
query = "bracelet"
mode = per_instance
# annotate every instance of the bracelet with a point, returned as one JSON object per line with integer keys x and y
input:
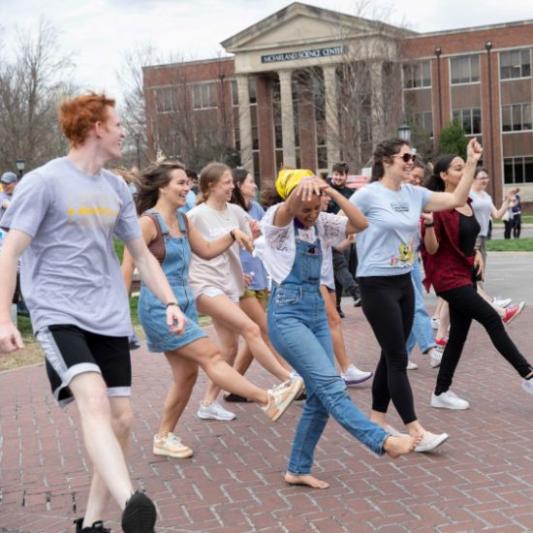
{"x": 170, "y": 304}
{"x": 232, "y": 233}
{"x": 430, "y": 225}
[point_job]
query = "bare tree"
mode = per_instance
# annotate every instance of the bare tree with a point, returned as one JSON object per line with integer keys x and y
{"x": 31, "y": 87}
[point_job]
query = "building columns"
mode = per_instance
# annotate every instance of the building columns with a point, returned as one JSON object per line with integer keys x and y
{"x": 245, "y": 123}
{"x": 377, "y": 102}
{"x": 332, "y": 116}
{"x": 287, "y": 118}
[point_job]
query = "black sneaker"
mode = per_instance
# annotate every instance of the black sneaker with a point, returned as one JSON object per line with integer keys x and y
{"x": 235, "y": 398}
{"x": 357, "y": 301}
{"x": 139, "y": 515}
{"x": 341, "y": 314}
{"x": 97, "y": 527}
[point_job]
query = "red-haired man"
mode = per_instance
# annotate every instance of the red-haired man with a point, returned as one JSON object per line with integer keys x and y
{"x": 63, "y": 216}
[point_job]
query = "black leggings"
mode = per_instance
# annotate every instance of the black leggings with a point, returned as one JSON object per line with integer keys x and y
{"x": 467, "y": 305}
{"x": 389, "y": 306}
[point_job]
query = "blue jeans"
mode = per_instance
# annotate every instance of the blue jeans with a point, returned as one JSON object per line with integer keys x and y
{"x": 299, "y": 331}
{"x": 421, "y": 332}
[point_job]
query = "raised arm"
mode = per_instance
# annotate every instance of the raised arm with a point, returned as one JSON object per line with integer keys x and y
{"x": 507, "y": 202}
{"x": 356, "y": 220}
{"x": 14, "y": 244}
{"x": 441, "y": 201}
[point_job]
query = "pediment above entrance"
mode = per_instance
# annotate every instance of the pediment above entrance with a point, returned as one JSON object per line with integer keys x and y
{"x": 300, "y": 25}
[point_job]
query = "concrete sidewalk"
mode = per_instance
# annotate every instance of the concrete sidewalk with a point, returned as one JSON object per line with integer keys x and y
{"x": 482, "y": 479}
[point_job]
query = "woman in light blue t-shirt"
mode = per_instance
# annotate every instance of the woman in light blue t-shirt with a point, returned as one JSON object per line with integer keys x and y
{"x": 386, "y": 251}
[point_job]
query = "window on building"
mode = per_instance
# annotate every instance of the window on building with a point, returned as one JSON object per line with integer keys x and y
{"x": 464, "y": 69}
{"x": 165, "y": 99}
{"x": 423, "y": 120}
{"x": 516, "y": 117}
{"x": 518, "y": 169}
{"x": 234, "y": 93}
{"x": 470, "y": 119}
{"x": 417, "y": 75}
{"x": 204, "y": 95}
{"x": 515, "y": 64}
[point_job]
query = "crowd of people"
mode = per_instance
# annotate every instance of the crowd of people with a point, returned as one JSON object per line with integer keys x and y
{"x": 271, "y": 278}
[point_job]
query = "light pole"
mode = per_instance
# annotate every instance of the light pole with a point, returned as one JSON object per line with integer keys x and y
{"x": 438, "y": 52}
{"x": 21, "y": 165}
{"x": 488, "y": 48}
{"x": 404, "y": 132}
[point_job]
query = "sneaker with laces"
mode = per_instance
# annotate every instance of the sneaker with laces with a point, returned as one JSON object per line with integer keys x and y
{"x": 501, "y": 302}
{"x": 431, "y": 441}
{"x": 411, "y": 365}
{"x": 139, "y": 515}
{"x": 281, "y": 396}
{"x": 512, "y": 312}
{"x": 214, "y": 411}
{"x": 171, "y": 446}
{"x": 97, "y": 527}
{"x": 527, "y": 385}
{"x": 448, "y": 400}
{"x": 354, "y": 376}
{"x": 435, "y": 356}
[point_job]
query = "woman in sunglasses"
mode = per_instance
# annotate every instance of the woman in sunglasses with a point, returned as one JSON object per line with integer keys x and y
{"x": 386, "y": 254}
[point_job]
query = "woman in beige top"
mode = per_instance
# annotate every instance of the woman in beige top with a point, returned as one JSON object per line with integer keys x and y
{"x": 218, "y": 283}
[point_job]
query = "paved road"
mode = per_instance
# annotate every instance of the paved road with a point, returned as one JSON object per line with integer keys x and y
{"x": 481, "y": 480}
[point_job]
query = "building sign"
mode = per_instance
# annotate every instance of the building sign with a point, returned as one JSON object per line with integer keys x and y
{"x": 303, "y": 54}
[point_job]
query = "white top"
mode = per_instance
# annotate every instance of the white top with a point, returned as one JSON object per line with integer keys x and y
{"x": 327, "y": 277}
{"x": 482, "y": 205}
{"x": 224, "y": 271}
{"x": 277, "y": 246}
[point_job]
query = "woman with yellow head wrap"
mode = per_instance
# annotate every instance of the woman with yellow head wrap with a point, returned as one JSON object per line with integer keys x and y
{"x": 295, "y": 235}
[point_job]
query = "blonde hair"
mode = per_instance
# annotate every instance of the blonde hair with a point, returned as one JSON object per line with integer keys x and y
{"x": 209, "y": 175}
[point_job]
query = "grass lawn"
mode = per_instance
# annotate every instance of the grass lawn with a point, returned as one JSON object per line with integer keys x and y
{"x": 510, "y": 245}
{"x": 526, "y": 219}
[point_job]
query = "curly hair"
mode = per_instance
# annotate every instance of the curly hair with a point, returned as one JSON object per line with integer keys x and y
{"x": 78, "y": 115}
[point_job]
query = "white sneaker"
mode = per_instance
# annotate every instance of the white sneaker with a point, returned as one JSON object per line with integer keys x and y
{"x": 411, "y": 365}
{"x": 435, "y": 322}
{"x": 431, "y": 441}
{"x": 214, "y": 411}
{"x": 171, "y": 446}
{"x": 281, "y": 396}
{"x": 527, "y": 385}
{"x": 448, "y": 400}
{"x": 353, "y": 375}
{"x": 501, "y": 302}
{"x": 435, "y": 356}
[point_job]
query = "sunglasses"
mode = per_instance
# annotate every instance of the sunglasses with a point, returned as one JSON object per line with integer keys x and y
{"x": 406, "y": 157}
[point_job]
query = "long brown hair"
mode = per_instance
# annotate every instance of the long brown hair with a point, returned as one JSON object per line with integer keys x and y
{"x": 239, "y": 175}
{"x": 209, "y": 175}
{"x": 151, "y": 180}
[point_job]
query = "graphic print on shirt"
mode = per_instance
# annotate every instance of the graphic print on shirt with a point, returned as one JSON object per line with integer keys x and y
{"x": 92, "y": 210}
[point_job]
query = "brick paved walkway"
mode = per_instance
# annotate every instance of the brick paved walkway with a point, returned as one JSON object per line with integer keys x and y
{"x": 481, "y": 480}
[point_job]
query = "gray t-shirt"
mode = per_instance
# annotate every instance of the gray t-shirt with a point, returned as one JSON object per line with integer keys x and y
{"x": 388, "y": 246}
{"x": 70, "y": 273}
{"x": 482, "y": 206}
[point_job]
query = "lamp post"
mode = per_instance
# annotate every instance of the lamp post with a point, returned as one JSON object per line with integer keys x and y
{"x": 488, "y": 48}
{"x": 404, "y": 132}
{"x": 21, "y": 165}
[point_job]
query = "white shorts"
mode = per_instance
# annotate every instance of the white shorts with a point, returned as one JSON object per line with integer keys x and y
{"x": 212, "y": 292}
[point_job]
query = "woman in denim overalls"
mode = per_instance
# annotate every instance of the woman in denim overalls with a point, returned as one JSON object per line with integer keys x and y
{"x": 162, "y": 191}
{"x": 295, "y": 236}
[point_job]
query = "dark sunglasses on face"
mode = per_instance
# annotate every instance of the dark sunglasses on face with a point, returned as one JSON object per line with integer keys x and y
{"x": 406, "y": 157}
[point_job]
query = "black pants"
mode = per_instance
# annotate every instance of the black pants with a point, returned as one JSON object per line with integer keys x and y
{"x": 517, "y": 226}
{"x": 467, "y": 305}
{"x": 508, "y": 228}
{"x": 344, "y": 280}
{"x": 389, "y": 306}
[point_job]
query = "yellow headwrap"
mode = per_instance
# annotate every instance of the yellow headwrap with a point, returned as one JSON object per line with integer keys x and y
{"x": 289, "y": 178}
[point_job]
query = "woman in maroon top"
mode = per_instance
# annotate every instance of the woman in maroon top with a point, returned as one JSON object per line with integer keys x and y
{"x": 452, "y": 266}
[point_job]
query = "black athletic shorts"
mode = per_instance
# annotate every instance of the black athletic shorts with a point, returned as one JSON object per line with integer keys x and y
{"x": 70, "y": 351}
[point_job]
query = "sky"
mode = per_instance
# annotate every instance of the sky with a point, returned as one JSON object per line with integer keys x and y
{"x": 98, "y": 33}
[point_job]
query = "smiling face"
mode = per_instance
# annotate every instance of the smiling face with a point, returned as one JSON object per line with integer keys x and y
{"x": 416, "y": 176}
{"x": 175, "y": 192}
{"x": 248, "y": 188}
{"x": 454, "y": 173}
{"x": 308, "y": 212}
{"x": 221, "y": 190}
{"x": 110, "y": 134}
{"x": 339, "y": 179}
{"x": 396, "y": 167}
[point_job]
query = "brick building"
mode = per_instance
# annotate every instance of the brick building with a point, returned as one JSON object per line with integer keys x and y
{"x": 308, "y": 86}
